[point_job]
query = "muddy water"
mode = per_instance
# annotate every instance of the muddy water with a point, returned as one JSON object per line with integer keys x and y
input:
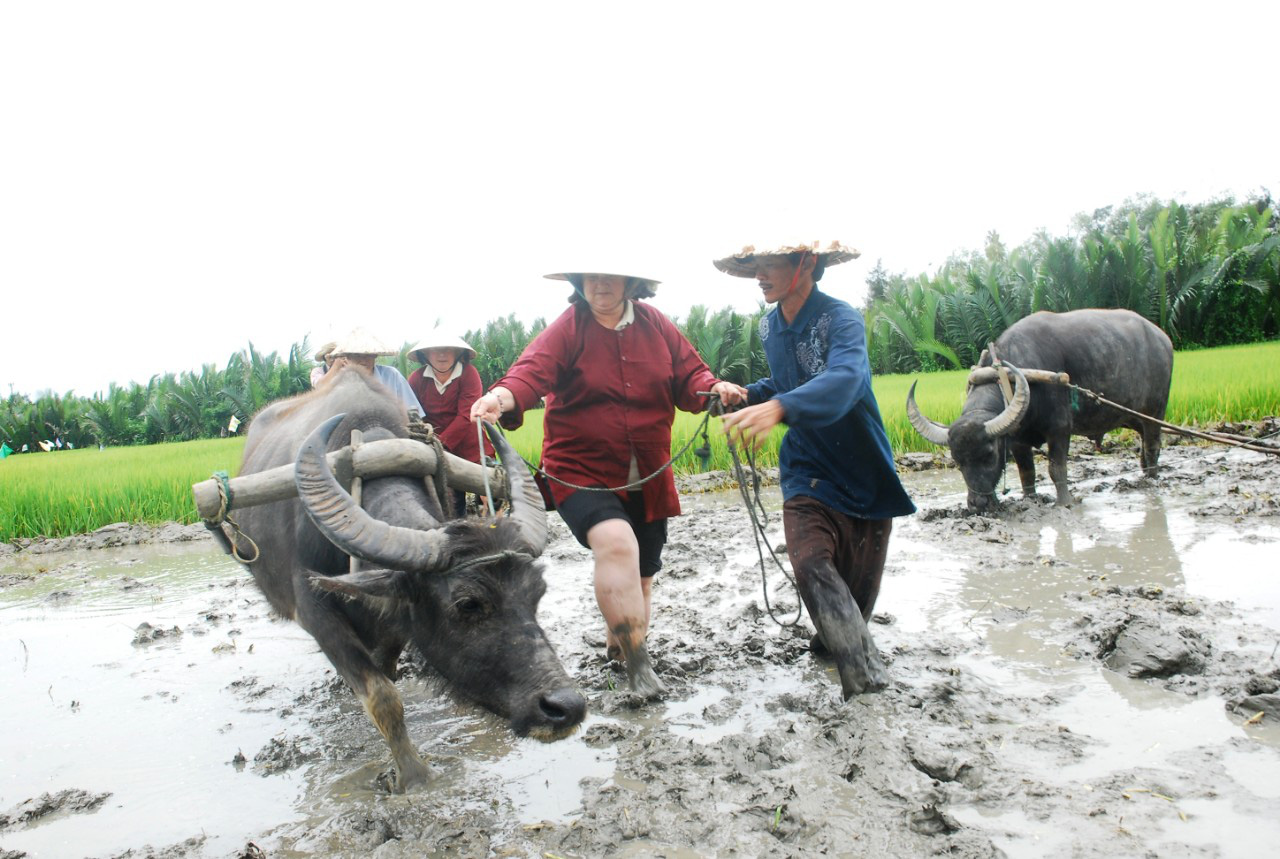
{"x": 1005, "y": 728}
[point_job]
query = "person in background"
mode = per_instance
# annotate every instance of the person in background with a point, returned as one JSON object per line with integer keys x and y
{"x": 363, "y": 350}
{"x": 839, "y": 487}
{"x": 613, "y": 371}
{"x": 446, "y": 385}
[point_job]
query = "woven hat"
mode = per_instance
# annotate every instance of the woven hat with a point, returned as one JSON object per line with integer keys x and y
{"x": 360, "y": 342}
{"x": 742, "y": 264}
{"x": 440, "y": 338}
{"x": 325, "y": 350}
{"x": 575, "y": 277}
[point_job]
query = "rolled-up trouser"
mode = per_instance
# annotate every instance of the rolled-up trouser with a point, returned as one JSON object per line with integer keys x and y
{"x": 855, "y": 548}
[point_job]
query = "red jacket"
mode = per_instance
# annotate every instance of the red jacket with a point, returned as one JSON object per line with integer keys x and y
{"x": 609, "y": 394}
{"x": 450, "y": 412}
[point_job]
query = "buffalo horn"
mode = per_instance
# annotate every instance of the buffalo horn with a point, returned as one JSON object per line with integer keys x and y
{"x": 931, "y": 430}
{"x": 527, "y": 507}
{"x": 1008, "y": 420}
{"x": 348, "y": 526}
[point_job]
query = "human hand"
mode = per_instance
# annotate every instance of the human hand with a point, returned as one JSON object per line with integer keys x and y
{"x": 750, "y": 427}
{"x": 730, "y": 394}
{"x": 487, "y": 408}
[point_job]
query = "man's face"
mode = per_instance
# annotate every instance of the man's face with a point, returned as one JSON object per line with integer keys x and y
{"x": 775, "y": 274}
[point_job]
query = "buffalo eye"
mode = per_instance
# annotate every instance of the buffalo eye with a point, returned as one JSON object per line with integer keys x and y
{"x": 470, "y": 608}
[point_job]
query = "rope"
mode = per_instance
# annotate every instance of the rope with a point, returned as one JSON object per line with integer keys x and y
{"x": 1216, "y": 438}
{"x": 754, "y": 503}
{"x": 215, "y": 524}
{"x": 1180, "y": 430}
{"x": 641, "y": 482}
{"x": 484, "y": 470}
{"x": 485, "y": 559}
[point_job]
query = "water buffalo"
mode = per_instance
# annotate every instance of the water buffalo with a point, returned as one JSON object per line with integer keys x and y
{"x": 1115, "y": 353}
{"x": 463, "y": 593}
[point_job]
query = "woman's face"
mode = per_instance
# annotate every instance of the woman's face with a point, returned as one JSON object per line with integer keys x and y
{"x": 442, "y": 358}
{"x": 604, "y": 292}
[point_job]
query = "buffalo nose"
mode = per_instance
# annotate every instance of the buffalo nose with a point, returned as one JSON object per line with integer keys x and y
{"x": 563, "y": 708}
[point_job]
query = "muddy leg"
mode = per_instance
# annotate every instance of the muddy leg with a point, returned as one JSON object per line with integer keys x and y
{"x": 386, "y": 711}
{"x": 1151, "y": 439}
{"x": 1058, "y": 471}
{"x": 620, "y": 595}
{"x": 367, "y": 679}
{"x": 865, "y": 566}
{"x": 841, "y": 627}
{"x": 1025, "y": 460}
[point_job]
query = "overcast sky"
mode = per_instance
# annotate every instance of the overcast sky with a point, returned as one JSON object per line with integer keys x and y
{"x": 178, "y": 180}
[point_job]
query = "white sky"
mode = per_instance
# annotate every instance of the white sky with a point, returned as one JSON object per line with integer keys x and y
{"x": 179, "y": 179}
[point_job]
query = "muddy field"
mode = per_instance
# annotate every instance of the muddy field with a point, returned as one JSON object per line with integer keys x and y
{"x": 1099, "y": 681}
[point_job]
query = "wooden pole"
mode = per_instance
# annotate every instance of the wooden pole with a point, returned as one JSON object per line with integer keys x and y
{"x": 375, "y": 459}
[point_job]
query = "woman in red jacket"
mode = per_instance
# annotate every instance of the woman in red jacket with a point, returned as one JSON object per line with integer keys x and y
{"x": 613, "y": 371}
{"x": 446, "y": 386}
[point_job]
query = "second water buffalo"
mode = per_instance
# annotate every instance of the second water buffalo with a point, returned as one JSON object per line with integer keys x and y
{"x": 1115, "y": 353}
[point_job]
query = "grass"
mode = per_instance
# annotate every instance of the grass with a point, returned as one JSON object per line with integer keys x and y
{"x": 74, "y": 491}
{"x": 71, "y": 492}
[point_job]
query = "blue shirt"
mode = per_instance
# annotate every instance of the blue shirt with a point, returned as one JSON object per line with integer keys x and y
{"x": 395, "y": 381}
{"x": 835, "y": 449}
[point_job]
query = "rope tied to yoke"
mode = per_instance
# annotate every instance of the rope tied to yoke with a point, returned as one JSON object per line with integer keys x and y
{"x": 229, "y": 544}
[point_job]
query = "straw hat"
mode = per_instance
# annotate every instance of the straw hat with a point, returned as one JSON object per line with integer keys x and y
{"x": 324, "y": 351}
{"x": 360, "y": 342}
{"x": 742, "y": 264}
{"x": 440, "y": 338}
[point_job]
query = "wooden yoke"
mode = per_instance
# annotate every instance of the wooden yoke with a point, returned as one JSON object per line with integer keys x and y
{"x": 391, "y": 456}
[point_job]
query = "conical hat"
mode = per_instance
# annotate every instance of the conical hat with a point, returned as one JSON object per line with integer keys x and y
{"x": 440, "y": 338}
{"x": 742, "y": 264}
{"x": 580, "y": 273}
{"x": 360, "y": 342}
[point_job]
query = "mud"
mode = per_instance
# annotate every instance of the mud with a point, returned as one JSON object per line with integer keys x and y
{"x": 1096, "y": 681}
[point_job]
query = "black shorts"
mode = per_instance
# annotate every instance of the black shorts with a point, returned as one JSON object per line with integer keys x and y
{"x": 583, "y": 510}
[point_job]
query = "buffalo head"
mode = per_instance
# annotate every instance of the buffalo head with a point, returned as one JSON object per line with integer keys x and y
{"x": 977, "y": 438}
{"x": 465, "y": 593}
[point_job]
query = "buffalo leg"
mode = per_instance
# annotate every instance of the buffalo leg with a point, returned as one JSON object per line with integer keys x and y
{"x": 367, "y": 679}
{"x": 1026, "y": 462}
{"x": 1150, "y": 448}
{"x": 1058, "y": 470}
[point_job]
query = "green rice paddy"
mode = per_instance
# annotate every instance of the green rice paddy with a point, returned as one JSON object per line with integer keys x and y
{"x": 71, "y": 492}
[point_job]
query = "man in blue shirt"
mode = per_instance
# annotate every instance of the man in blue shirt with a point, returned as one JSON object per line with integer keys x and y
{"x": 839, "y": 486}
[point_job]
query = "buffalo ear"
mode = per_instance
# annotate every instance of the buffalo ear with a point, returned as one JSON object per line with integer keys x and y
{"x": 366, "y": 583}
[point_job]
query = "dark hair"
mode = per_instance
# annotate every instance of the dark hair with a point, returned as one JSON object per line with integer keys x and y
{"x": 636, "y": 288}
{"x": 819, "y": 263}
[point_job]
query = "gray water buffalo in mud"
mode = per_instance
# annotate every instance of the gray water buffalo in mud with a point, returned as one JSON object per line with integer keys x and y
{"x": 463, "y": 593}
{"x": 1114, "y": 353}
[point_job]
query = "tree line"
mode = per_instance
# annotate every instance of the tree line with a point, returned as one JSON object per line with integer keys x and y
{"x": 1207, "y": 274}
